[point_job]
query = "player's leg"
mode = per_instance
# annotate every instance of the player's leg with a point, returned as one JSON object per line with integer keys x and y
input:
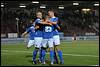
{"x": 51, "y": 46}
{"x": 34, "y": 55}
{"x": 57, "y": 47}
{"x": 40, "y": 55}
{"x": 30, "y": 43}
{"x": 55, "y": 55}
{"x": 44, "y": 42}
{"x": 37, "y": 42}
{"x": 59, "y": 54}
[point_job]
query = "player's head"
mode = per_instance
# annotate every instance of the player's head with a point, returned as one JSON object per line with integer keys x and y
{"x": 46, "y": 17}
{"x": 51, "y": 13}
{"x": 39, "y": 14}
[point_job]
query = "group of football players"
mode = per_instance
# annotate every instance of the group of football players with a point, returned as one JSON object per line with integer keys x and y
{"x": 43, "y": 33}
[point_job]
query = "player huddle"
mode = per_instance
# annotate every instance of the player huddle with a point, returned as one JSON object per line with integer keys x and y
{"x": 43, "y": 33}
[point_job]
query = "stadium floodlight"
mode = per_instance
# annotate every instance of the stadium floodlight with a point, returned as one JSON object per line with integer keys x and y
{"x": 96, "y": 4}
{"x": 75, "y": 3}
{"x": 86, "y": 9}
{"x": 35, "y": 2}
{"x": 61, "y": 7}
{"x": 42, "y": 6}
{"x": 22, "y": 6}
{"x": 2, "y": 5}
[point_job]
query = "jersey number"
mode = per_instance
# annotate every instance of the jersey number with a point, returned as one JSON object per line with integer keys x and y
{"x": 48, "y": 29}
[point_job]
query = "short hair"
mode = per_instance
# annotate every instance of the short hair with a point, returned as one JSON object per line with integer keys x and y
{"x": 41, "y": 11}
{"x": 37, "y": 11}
{"x": 54, "y": 11}
{"x": 51, "y": 10}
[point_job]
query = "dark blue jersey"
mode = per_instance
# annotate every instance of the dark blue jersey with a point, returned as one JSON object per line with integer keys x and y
{"x": 47, "y": 31}
{"x": 39, "y": 31}
{"x": 54, "y": 19}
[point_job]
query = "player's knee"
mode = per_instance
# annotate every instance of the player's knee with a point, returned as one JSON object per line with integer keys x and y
{"x": 43, "y": 48}
{"x": 37, "y": 48}
{"x": 28, "y": 47}
{"x": 57, "y": 47}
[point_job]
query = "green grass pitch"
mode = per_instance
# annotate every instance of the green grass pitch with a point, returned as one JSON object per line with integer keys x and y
{"x": 75, "y": 53}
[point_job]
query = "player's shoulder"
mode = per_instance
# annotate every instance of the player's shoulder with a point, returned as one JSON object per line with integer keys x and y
{"x": 37, "y": 19}
{"x": 32, "y": 27}
{"x": 54, "y": 17}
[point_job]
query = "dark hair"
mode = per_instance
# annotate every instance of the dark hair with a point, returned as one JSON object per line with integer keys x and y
{"x": 41, "y": 11}
{"x": 54, "y": 11}
{"x": 51, "y": 10}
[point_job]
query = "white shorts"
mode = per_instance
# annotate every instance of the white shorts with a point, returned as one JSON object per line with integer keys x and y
{"x": 56, "y": 39}
{"x": 48, "y": 42}
{"x": 38, "y": 41}
{"x": 30, "y": 43}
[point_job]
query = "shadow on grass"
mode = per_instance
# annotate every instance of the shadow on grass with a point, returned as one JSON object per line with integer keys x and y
{"x": 39, "y": 63}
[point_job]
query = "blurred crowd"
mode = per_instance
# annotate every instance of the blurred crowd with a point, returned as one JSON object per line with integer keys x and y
{"x": 70, "y": 21}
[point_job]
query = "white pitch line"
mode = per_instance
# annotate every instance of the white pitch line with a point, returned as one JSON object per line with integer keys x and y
{"x": 48, "y": 53}
{"x": 94, "y": 65}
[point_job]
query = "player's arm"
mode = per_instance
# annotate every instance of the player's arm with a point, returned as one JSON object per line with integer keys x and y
{"x": 45, "y": 22}
{"x": 54, "y": 23}
{"x": 24, "y": 33}
{"x": 36, "y": 27}
{"x": 58, "y": 27}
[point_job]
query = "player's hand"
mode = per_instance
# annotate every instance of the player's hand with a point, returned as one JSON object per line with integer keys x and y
{"x": 50, "y": 24}
{"x": 37, "y": 27}
{"x": 49, "y": 21}
{"x": 58, "y": 28}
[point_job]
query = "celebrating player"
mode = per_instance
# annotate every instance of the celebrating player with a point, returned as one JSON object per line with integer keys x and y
{"x": 31, "y": 31}
{"x": 56, "y": 38}
{"x": 47, "y": 39}
{"x": 38, "y": 35}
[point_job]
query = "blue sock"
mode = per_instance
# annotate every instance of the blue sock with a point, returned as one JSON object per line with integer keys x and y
{"x": 60, "y": 55}
{"x": 43, "y": 55}
{"x": 34, "y": 54}
{"x": 40, "y": 54}
{"x": 52, "y": 55}
{"x": 55, "y": 57}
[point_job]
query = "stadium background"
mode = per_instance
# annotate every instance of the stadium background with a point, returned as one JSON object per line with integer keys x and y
{"x": 76, "y": 18}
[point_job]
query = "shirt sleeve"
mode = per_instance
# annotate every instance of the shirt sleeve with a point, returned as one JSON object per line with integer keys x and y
{"x": 57, "y": 25}
{"x": 38, "y": 21}
{"x": 56, "y": 20}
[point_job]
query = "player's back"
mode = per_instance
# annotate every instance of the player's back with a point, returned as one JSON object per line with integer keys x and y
{"x": 47, "y": 31}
